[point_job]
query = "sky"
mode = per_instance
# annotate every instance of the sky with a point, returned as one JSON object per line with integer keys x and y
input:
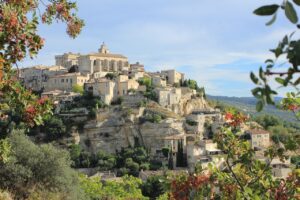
{"x": 216, "y": 43}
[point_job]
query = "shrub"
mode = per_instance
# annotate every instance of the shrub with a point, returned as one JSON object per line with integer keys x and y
{"x": 33, "y": 167}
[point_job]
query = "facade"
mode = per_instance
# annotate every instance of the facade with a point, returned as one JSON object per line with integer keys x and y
{"x": 36, "y": 77}
{"x": 172, "y": 76}
{"x": 158, "y": 81}
{"x": 67, "y": 60}
{"x": 102, "y": 61}
{"x": 126, "y": 86}
{"x": 104, "y": 88}
{"x": 168, "y": 96}
{"x": 259, "y": 139}
{"x": 65, "y": 82}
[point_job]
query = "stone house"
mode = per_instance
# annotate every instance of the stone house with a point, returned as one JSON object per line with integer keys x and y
{"x": 259, "y": 139}
{"x": 172, "y": 76}
{"x": 158, "y": 81}
{"x": 104, "y": 88}
{"x": 125, "y": 85}
{"x": 65, "y": 82}
{"x": 168, "y": 96}
{"x": 36, "y": 77}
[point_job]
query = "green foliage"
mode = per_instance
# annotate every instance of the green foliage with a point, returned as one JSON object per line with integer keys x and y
{"x": 54, "y": 128}
{"x": 145, "y": 81}
{"x": 127, "y": 188}
{"x": 33, "y": 167}
{"x": 111, "y": 76}
{"x": 5, "y": 150}
{"x": 154, "y": 186}
{"x": 288, "y": 47}
{"x": 166, "y": 151}
{"x": 118, "y": 101}
{"x": 78, "y": 88}
{"x": 130, "y": 160}
{"x": 191, "y": 84}
{"x": 154, "y": 118}
{"x": 92, "y": 187}
{"x": 296, "y": 160}
{"x": 267, "y": 120}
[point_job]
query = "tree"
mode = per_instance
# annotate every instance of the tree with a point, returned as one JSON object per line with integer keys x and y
{"x": 78, "y": 88}
{"x": 154, "y": 186}
{"x": 19, "y": 38}
{"x": 288, "y": 47}
{"x": 54, "y": 128}
{"x": 37, "y": 168}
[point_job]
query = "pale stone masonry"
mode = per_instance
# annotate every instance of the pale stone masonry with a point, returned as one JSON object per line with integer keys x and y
{"x": 259, "y": 138}
{"x": 89, "y": 71}
{"x": 101, "y": 62}
{"x": 35, "y": 78}
{"x": 66, "y": 82}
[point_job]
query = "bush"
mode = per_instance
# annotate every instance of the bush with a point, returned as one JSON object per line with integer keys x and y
{"x": 165, "y": 151}
{"x": 78, "y": 88}
{"x": 154, "y": 187}
{"x": 32, "y": 167}
{"x": 118, "y": 101}
{"x": 54, "y": 128}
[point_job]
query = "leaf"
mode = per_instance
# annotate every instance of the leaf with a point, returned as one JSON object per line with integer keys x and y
{"x": 253, "y": 78}
{"x": 297, "y": 2}
{"x": 280, "y": 80}
{"x": 266, "y": 10}
{"x": 273, "y": 19}
{"x": 290, "y": 12}
{"x": 259, "y": 106}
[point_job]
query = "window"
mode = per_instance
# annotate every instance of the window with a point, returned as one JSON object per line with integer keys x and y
{"x": 71, "y": 80}
{"x": 62, "y": 80}
{"x": 67, "y": 80}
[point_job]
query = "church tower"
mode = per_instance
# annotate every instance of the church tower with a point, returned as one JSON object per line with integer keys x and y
{"x": 103, "y": 49}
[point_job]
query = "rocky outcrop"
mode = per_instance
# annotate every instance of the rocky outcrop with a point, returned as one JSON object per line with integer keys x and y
{"x": 188, "y": 104}
{"x": 116, "y": 130}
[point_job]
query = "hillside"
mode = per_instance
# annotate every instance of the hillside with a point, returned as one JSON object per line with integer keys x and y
{"x": 248, "y": 105}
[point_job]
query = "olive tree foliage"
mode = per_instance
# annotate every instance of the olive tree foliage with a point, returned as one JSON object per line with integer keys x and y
{"x": 32, "y": 168}
{"x": 289, "y": 49}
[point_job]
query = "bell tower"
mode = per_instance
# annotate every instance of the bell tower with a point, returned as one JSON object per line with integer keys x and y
{"x": 103, "y": 49}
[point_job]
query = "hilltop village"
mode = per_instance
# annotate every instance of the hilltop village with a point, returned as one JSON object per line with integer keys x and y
{"x": 163, "y": 111}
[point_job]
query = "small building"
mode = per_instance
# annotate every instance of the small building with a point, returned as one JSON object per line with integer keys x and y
{"x": 280, "y": 169}
{"x": 172, "y": 76}
{"x": 168, "y": 96}
{"x": 158, "y": 81}
{"x": 259, "y": 139}
{"x": 65, "y": 82}
{"x": 36, "y": 77}
{"x": 104, "y": 88}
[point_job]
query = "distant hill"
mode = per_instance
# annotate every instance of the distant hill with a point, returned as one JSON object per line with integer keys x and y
{"x": 248, "y": 105}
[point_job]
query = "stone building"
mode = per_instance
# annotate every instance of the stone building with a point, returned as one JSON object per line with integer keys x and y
{"x": 65, "y": 82}
{"x": 104, "y": 88}
{"x": 101, "y": 62}
{"x": 158, "y": 81}
{"x": 259, "y": 139}
{"x": 168, "y": 96}
{"x": 172, "y": 76}
{"x": 36, "y": 77}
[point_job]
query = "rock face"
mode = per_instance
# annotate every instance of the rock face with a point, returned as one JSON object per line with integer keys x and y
{"x": 113, "y": 131}
{"x": 188, "y": 104}
{"x": 120, "y": 127}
